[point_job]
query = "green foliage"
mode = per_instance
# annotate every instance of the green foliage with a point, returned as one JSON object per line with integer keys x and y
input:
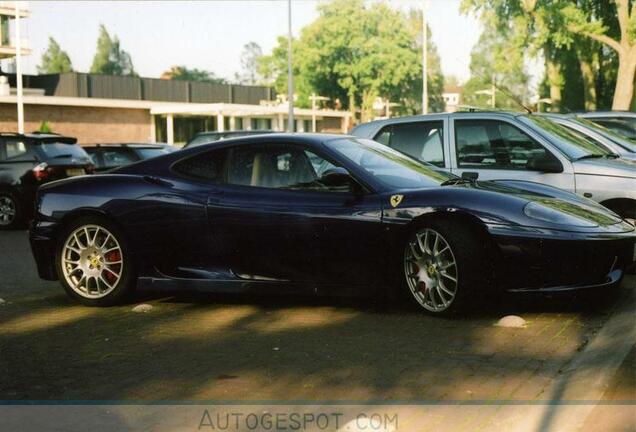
{"x": 182, "y": 73}
{"x": 579, "y": 40}
{"x": 494, "y": 57}
{"x": 109, "y": 58}
{"x": 355, "y": 52}
{"x": 54, "y": 60}
{"x": 45, "y": 127}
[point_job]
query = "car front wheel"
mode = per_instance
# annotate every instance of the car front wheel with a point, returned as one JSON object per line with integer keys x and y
{"x": 442, "y": 267}
{"x": 93, "y": 262}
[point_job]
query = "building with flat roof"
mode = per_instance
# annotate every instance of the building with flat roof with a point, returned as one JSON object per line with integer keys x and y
{"x": 104, "y": 108}
{"x": 452, "y": 96}
{"x": 8, "y": 43}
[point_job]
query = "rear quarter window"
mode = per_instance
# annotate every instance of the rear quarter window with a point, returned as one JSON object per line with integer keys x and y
{"x": 208, "y": 166}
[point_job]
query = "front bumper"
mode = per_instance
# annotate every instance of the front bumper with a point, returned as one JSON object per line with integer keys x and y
{"x": 553, "y": 263}
{"x": 42, "y": 239}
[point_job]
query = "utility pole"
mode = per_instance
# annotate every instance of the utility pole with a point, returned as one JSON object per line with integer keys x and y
{"x": 290, "y": 76}
{"x": 493, "y": 90}
{"x": 424, "y": 61}
{"x": 18, "y": 68}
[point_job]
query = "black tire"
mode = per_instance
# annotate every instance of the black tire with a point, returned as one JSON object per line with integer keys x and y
{"x": 11, "y": 200}
{"x": 128, "y": 278}
{"x": 473, "y": 268}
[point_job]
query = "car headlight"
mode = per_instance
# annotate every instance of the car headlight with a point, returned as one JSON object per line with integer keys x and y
{"x": 544, "y": 213}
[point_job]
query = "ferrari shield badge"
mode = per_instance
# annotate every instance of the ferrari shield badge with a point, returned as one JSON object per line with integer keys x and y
{"x": 396, "y": 200}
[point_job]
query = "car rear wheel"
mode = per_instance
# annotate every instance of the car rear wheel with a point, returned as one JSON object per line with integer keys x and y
{"x": 10, "y": 211}
{"x": 93, "y": 262}
{"x": 442, "y": 267}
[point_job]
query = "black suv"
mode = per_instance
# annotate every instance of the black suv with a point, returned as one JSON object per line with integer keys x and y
{"x": 109, "y": 156}
{"x": 29, "y": 160}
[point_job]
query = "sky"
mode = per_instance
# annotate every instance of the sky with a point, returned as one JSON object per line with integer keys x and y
{"x": 210, "y": 35}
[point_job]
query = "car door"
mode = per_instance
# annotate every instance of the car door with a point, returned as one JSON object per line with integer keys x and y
{"x": 422, "y": 140}
{"x": 499, "y": 149}
{"x": 277, "y": 219}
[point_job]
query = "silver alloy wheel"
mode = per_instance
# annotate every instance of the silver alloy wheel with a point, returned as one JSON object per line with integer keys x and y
{"x": 7, "y": 210}
{"x": 431, "y": 270}
{"x": 92, "y": 261}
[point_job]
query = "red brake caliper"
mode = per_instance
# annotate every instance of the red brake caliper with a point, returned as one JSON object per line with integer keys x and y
{"x": 110, "y": 257}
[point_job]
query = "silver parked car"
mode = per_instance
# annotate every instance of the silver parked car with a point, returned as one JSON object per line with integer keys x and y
{"x": 612, "y": 141}
{"x": 623, "y": 122}
{"x": 501, "y": 145}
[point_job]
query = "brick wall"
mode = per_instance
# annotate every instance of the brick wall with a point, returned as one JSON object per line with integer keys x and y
{"x": 87, "y": 124}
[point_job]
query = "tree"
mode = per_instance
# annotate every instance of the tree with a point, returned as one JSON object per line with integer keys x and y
{"x": 54, "y": 60}
{"x": 576, "y": 38}
{"x": 355, "y": 52}
{"x": 250, "y": 56}
{"x": 183, "y": 73}
{"x": 109, "y": 58}
{"x": 494, "y": 58}
{"x": 583, "y": 22}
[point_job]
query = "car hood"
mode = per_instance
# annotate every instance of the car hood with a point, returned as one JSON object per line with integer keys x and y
{"x": 504, "y": 202}
{"x": 606, "y": 167}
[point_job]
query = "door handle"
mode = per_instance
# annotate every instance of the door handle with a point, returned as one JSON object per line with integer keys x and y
{"x": 216, "y": 193}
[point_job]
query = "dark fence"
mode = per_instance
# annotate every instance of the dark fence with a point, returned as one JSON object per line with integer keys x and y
{"x": 76, "y": 84}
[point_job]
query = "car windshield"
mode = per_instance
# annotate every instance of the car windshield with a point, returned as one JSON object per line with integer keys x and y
{"x": 60, "y": 150}
{"x": 149, "y": 153}
{"x": 390, "y": 167}
{"x": 621, "y": 140}
{"x": 203, "y": 139}
{"x": 574, "y": 146}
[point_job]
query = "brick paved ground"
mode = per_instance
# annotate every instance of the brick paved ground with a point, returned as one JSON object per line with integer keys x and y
{"x": 199, "y": 347}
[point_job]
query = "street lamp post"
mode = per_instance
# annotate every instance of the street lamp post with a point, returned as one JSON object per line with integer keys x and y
{"x": 18, "y": 69}
{"x": 290, "y": 76}
{"x": 314, "y": 97}
{"x": 424, "y": 61}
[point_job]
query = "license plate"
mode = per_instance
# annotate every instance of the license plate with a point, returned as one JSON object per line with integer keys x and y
{"x": 72, "y": 172}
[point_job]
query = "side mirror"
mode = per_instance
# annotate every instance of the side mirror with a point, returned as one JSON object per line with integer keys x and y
{"x": 546, "y": 163}
{"x": 470, "y": 175}
{"x": 338, "y": 177}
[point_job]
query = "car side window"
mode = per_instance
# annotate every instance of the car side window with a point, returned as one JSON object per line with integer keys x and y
{"x": 282, "y": 166}
{"x": 16, "y": 150}
{"x": 117, "y": 157}
{"x": 208, "y": 166}
{"x": 421, "y": 140}
{"x": 494, "y": 144}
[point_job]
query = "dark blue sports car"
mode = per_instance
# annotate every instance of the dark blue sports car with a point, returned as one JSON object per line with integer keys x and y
{"x": 319, "y": 214}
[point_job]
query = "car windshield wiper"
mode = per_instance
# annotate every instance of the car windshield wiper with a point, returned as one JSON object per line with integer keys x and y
{"x": 61, "y": 156}
{"x": 457, "y": 181}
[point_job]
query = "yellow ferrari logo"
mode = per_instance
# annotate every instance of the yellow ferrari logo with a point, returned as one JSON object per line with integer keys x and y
{"x": 396, "y": 200}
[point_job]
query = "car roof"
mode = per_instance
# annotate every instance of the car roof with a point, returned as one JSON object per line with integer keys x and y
{"x": 437, "y": 116}
{"x": 38, "y": 136}
{"x": 601, "y": 114}
{"x": 234, "y": 132}
{"x": 128, "y": 145}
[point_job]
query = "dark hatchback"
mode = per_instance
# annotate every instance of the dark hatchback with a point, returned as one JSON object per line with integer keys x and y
{"x": 30, "y": 160}
{"x": 108, "y": 156}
